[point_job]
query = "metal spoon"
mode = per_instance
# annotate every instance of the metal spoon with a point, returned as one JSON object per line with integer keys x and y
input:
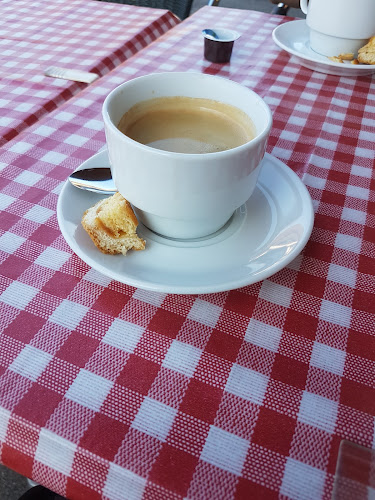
{"x": 98, "y": 180}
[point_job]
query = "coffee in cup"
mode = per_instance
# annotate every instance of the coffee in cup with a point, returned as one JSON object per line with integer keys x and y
{"x": 339, "y": 26}
{"x": 185, "y": 195}
{"x": 187, "y": 125}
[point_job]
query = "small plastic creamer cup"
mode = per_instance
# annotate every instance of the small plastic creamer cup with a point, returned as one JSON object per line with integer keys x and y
{"x": 218, "y": 44}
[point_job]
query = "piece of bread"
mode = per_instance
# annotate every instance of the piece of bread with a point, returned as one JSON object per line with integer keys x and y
{"x": 111, "y": 224}
{"x": 366, "y": 54}
{"x": 348, "y": 56}
{"x": 336, "y": 59}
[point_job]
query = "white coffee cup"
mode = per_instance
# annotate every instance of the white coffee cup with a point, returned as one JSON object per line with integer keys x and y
{"x": 181, "y": 195}
{"x": 339, "y": 26}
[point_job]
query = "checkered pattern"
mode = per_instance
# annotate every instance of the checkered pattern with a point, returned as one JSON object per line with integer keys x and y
{"x": 107, "y": 391}
{"x": 80, "y": 34}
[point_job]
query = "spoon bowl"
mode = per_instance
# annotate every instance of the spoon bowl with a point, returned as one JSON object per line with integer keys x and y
{"x": 98, "y": 180}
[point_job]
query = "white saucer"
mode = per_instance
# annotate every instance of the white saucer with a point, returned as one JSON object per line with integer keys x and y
{"x": 263, "y": 236}
{"x": 293, "y": 37}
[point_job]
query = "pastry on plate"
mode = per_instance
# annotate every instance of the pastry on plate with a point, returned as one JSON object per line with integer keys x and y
{"x": 111, "y": 224}
{"x": 366, "y": 54}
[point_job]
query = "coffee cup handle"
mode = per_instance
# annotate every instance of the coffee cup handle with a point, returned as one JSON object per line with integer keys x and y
{"x": 303, "y": 4}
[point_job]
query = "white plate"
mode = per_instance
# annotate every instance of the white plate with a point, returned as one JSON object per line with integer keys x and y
{"x": 263, "y": 236}
{"x": 293, "y": 36}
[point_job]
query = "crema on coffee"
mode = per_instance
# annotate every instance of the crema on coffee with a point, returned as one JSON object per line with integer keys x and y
{"x": 187, "y": 125}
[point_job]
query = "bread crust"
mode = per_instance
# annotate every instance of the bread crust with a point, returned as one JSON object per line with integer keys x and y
{"x": 129, "y": 212}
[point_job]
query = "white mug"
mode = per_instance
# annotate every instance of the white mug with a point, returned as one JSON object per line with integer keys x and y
{"x": 181, "y": 195}
{"x": 339, "y": 26}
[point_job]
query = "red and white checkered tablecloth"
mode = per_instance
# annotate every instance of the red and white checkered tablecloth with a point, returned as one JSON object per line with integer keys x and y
{"x": 113, "y": 392}
{"x": 79, "y": 34}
